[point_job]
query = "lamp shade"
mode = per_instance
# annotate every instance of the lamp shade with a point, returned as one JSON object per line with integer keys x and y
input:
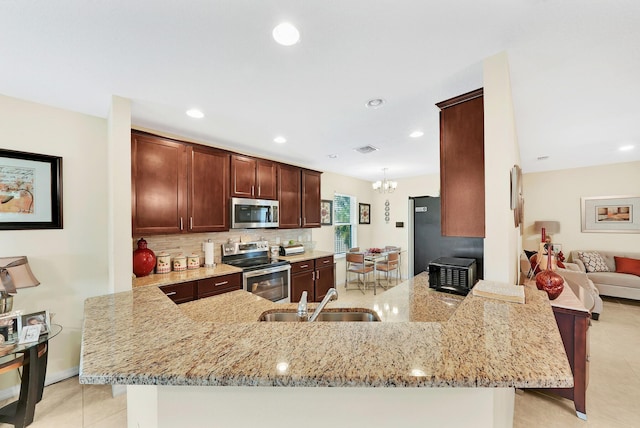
{"x": 549, "y": 225}
{"x": 16, "y": 273}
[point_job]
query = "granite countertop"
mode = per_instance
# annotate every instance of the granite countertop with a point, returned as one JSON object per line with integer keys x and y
{"x": 173, "y": 277}
{"x": 426, "y": 338}
{"x": 307, "y": 255}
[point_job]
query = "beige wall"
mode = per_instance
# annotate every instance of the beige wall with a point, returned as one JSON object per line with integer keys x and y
{"x": 501, "y": 244}
{"x": 378, "y": 233}
{"x": 555, "y": 195}
{"x": 71, "y": 263}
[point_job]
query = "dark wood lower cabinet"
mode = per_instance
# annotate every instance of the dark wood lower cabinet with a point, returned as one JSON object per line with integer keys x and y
{"x": 193, "y": 290}
{"x": 574, "y": 329}
{"x": 219, "y": 284}
{"x": 180, "y": 293}
{"x": 315, "y": 276}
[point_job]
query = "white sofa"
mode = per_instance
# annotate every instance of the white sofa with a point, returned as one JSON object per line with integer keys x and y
{"x": 612, "y": 283}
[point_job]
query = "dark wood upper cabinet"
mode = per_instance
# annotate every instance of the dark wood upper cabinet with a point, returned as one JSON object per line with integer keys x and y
{"x": 177, "y": 187}
{"x": 209, "y": 190}
{"x": 158, "y": 185}
{"x": 289, "y": 196}
{"x": 253, "y": 178}
{"x": 462, "y": 187}
{"x": 310, "y": 198}
{"x": 266, "y": 179}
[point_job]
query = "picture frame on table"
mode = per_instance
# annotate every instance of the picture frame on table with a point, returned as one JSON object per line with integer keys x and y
{"x": 326, "y": 212}
{"x": 556, "y": 248}
{"x": 37, "y": 318}
{"x": 30, "y": 191}
{"x": 364, "y": 211}
{"x": 9, "y": 326}
{"x": 611, "y": 214}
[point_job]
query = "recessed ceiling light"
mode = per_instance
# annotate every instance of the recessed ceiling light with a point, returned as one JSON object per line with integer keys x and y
{"x": 280, "y": 139}
{"x": 375, "y": 103}
{"x": 286, "y": 34}
{"x": 195, "y": 113}
{"x": 333, "y": 156}
{"x": 416, "y": 134}
{"x": 543, "y": 157}
{"x": 626, "y": 148}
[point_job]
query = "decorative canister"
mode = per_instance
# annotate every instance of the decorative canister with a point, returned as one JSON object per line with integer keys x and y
{"x": 193, "y": 261}
{"x": 163, "y": 263}
{"x": 179, "y": 263}
{"x": 144, "y": 259}
{"x": 275, "y": 249}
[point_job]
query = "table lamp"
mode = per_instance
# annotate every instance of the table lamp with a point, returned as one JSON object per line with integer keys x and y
{"x": 15, "y": 273}
{"x": 547, "y": 228}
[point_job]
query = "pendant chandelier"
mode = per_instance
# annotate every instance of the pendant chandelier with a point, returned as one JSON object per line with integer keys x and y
{"x": 385, "y": 186}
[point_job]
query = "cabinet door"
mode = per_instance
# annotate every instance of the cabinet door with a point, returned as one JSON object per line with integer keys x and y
{"x": 158, "y": 185}
{"x": 180, "y": 293}
{"x": 208, "y": 190}
{"x": 324, "y": 277}
{"x": 310, "y": 198}
{"x": 289, "y": 193}
{"x": 300, "y": 282}
{"x": 462, "y": 165}
{"x": 243, "y": 176}
{"x": 217, "y": 285}
{"x": 266, "y": 179}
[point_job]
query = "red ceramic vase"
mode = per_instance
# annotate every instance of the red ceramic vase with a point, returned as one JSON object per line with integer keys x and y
{"x": 550, "y": 281}
{"x": 144, "y": 260}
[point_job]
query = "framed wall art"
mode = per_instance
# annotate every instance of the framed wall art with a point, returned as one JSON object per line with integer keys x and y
{"x": 326, "y": 212}
{"x": 611, "y": 214}
{"x": 30, "y": 191}
{"x": 365, "y": 214}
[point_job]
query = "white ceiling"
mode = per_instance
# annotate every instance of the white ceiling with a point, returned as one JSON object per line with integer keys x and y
{"x": 574, "y": 64}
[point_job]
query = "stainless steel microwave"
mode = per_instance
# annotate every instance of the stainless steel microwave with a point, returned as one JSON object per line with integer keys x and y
{"x": 253, "y": 213}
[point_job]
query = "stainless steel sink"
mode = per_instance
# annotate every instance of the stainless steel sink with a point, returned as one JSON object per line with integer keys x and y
{"x": 331, "y": 316}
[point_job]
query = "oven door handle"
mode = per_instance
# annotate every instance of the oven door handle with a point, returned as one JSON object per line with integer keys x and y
{"x": 253, "y": 273}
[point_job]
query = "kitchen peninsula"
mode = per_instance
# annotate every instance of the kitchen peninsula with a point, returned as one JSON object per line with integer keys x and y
{"x": 435, "y": 357}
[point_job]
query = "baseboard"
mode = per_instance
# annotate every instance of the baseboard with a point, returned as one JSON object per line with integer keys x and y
{"x": 51, "y": 378}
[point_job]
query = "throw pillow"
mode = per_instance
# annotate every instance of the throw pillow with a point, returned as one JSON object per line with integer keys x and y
{"x": 593, "y": 261}
{"x": 627, "y": 265}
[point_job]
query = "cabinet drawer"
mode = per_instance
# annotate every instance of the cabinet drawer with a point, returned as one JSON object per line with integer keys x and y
{"x": 219, "y": 284}
{"x": 302, "y": 266}
{"x": 180, "y": 293}
{"x": 324, "y": 262}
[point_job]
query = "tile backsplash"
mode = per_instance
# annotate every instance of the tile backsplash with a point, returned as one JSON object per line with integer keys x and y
{"x": 189, "y": 243}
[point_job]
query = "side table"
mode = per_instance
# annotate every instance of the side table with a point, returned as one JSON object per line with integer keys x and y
{"x": 32, "y": 357}
{"x": 573, "y": 321}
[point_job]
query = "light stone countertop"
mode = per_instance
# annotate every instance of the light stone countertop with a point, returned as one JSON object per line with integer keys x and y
{"x": 173, "y": 277}
{"x": 426, "y": 338}
{"x": 307, "y": 255}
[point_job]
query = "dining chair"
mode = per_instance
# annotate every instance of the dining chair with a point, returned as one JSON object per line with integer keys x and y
{"x": 355, "y": 263}
{"x": 388, "y": 265}
{"x": 389, "y": 248}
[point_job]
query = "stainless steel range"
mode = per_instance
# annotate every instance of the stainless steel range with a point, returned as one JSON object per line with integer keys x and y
{"x": 260, "y": 275}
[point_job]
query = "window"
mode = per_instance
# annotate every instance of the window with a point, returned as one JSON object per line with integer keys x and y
{"x": 344, "y": 220}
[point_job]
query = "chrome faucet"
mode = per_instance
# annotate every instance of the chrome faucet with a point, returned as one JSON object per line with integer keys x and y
{"x": 332, "y": 294}
{"x": 303, "y": 315}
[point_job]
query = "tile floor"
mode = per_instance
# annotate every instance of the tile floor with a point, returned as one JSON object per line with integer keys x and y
{"x": 612, "y": 396}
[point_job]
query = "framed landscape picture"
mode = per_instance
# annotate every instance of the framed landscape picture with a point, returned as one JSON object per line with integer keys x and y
{"x": 326, "y": 212}
{"x": 30, "y": 191}
{"x": 365, "y": 214}
{"x": 611, "y": 214}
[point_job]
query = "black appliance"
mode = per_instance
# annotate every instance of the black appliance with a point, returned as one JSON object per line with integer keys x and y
{"x": 261, "y": 275}
{"x": 428, "y": 242}
{"x": 452, "y": 275}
